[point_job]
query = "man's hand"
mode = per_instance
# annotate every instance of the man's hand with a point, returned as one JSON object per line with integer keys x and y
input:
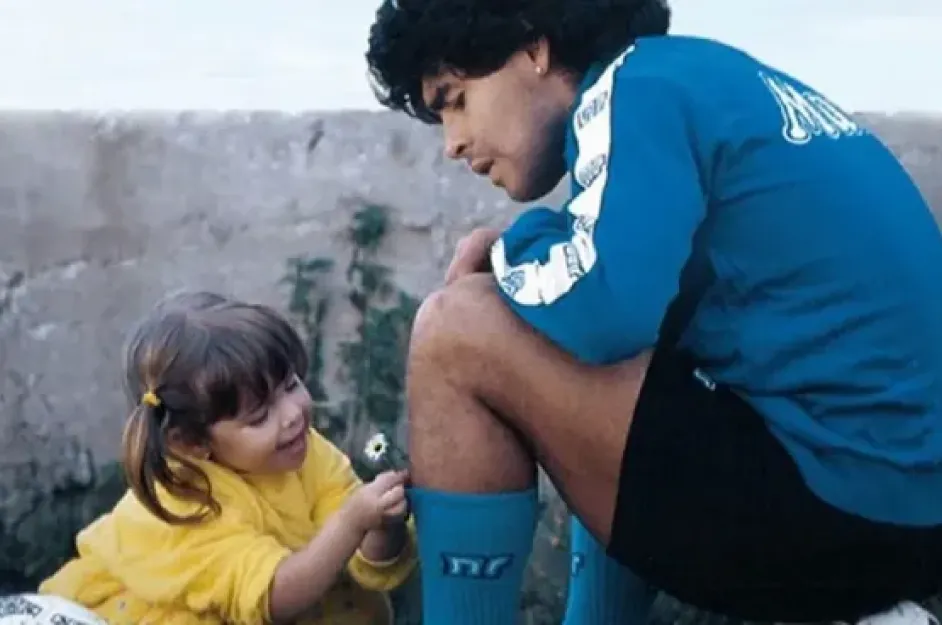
{"x": 472, "y": 254}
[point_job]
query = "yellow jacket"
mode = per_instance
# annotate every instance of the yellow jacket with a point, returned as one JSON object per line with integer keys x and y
{"x": 134, "y": 569}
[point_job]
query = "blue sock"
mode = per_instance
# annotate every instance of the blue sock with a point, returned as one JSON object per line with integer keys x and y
{"x": 602, "y": 591}
{"x": 473, "y": 551}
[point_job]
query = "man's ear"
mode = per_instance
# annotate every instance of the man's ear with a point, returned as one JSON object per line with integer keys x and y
{"x": 538, "y": 54}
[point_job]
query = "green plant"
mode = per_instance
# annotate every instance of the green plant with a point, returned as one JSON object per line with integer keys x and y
{"x": 372, "y": 361}
{"x": 41, "y": 538}
{"x": 309, "y": 305}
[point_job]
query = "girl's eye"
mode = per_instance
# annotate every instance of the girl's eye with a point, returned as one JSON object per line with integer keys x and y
{"x": 259, "y": 419}
{"x": 292, "y": 383}
{"x": 458, "y": 104}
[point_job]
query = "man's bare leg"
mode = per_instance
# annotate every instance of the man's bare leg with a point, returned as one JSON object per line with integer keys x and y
{"x": 488, "y": 399}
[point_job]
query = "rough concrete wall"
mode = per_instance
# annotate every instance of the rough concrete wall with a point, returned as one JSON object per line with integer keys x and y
{"x": 100, "y": 216}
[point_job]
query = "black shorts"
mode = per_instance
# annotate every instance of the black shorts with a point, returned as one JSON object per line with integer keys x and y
{"x": 712, "y": 510}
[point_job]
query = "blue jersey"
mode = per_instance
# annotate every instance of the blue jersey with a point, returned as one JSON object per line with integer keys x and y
{"x": 825, "y": 307}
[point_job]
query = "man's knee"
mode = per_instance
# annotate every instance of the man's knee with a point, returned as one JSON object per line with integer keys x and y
{"x": 458, "y": 320}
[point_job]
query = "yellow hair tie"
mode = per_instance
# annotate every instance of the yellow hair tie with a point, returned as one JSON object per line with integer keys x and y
{"x": 150, "y": 398}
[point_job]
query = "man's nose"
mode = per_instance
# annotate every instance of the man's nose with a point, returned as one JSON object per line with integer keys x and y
{"x": 456, "y": 142}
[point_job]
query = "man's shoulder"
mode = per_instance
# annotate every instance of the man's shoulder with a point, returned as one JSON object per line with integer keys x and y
{"x": 681, "y": 59}
{"x": 686, "y": 66}
{"x": 674, "y": 71}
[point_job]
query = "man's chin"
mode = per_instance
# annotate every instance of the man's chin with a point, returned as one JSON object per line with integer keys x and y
{"x": 525, "y": 194}
{"x": 515, "y": 192}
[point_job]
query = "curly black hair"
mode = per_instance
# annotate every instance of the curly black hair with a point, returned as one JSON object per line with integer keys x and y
{"x": 414, "y": 39}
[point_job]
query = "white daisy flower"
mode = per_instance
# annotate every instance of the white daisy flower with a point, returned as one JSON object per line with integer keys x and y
{"x": 376, "y": 447}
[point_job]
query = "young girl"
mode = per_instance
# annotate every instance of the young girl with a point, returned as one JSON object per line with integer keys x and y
{"x": 239, "y": 512}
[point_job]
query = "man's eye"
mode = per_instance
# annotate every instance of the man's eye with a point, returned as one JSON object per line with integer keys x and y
{"x": 456, "y": 103}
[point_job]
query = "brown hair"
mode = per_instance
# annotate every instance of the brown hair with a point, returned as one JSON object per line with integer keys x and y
{"x": 205, "y": 358}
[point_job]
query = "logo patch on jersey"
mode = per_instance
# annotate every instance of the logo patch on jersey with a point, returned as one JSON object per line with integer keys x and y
{"x": 583, "y": 224}
{"x": 807, "y": 114}
{"x": 591, "y": 109}
{"x": 475, "y": 566}
{"x": 573, "y": 263}
{"x": 62, "y": 619}
{"x": 513, "y": 282}
{"x": 18, "y": 606}
{"x": 588, "y": 173}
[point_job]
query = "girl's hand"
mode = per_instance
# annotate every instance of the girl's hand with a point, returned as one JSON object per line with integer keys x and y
{"x": 380, "y": 502}
{"x": 368, "y": 521}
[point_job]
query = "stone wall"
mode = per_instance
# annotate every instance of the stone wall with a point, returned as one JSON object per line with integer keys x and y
{"x": 99, "y": 216}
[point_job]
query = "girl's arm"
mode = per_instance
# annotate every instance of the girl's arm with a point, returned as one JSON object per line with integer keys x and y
{"x": 305, "y": 576}
{"x": 386, "y": 558}
{"x": 385, "y": 544}
{"x": 389, "y": 570}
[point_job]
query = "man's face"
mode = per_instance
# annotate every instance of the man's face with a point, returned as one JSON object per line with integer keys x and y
{"x": 508, "y": 125}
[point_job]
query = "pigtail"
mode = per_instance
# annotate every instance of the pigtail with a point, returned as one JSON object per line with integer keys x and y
{"x": 147, "y": 459}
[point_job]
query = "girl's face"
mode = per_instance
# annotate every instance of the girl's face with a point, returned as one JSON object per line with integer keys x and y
{"x": 269, "y": 439}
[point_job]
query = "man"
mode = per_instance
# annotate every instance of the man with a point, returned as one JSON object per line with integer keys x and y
{"x": 725, "y": 350}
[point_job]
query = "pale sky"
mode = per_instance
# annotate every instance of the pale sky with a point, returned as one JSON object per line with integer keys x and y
{"x": 877, "y": 55}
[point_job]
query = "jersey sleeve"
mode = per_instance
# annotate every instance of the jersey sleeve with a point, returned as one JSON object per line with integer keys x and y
{"x": 596, "y": 278}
